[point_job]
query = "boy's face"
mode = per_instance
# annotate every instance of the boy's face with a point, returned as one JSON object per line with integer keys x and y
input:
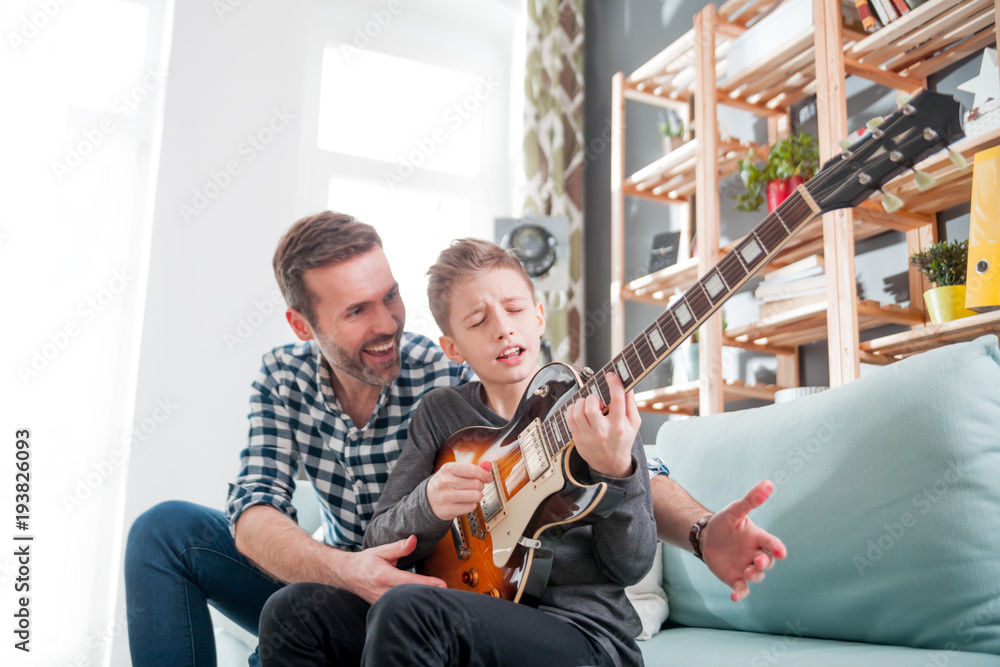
{"x": 495, "y": 327}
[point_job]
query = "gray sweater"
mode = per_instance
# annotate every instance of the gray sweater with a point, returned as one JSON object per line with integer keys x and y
{"x": 592, "y": 564}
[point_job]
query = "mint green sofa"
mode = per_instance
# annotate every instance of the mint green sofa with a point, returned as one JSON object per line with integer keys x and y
{"x": 887, "y": 495}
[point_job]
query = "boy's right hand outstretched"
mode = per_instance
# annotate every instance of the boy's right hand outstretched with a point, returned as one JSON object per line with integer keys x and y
{"x": 456, "y": 489}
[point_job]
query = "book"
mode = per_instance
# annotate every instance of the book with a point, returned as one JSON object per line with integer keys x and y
{"x": 901, "y": 6}
{"x": 776, "y": 291}
{"x": 865, "y": 12}
{"x": 773, "y": 308}
{"x": 880, "y": 11}
{"x": 808, "y": 266}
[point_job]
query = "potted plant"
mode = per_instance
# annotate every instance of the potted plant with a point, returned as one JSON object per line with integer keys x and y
{"x": 944, "y": 263}
{"x": 671, "y": 129}
{"x": 790, "y": 163}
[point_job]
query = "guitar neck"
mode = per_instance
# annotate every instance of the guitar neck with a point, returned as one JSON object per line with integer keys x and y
{"x": 689, "y": 312}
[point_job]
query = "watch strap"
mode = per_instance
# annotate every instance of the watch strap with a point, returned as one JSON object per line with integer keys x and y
{"x": 694, "y": 537}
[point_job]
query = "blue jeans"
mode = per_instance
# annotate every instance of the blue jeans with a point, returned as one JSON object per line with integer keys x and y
{"x": 180, "y": 558}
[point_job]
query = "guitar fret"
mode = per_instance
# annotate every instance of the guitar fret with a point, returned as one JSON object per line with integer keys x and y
{"x": 701, "y": 284}
{"x": 750, "y": 249}
{"x": 623, "y": 370}
{"x": 777, "y": 214}
{"x": 656, "y": 338}
{"x": 683, "y": 313}
{"x": 715, "y": 284}
{"x": 646, "y": 355}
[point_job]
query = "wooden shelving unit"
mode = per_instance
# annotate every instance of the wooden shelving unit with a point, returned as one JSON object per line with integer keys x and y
{"x": 690, "y": 74}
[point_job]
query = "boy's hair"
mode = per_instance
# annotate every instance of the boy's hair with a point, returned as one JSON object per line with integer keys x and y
{"x": 316, "y": 241}
{"x": 459, "y": 261}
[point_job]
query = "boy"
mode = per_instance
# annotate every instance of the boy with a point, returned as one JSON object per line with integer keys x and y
{"x": 484, "y": 303}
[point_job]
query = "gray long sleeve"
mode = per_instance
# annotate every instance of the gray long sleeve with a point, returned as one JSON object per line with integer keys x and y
{"x": 592, "y": 563}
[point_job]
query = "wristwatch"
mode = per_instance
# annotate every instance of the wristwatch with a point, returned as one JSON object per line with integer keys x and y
{"x": 694, "y": 537}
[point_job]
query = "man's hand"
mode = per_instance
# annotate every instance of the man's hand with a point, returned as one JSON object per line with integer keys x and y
{"x": 605, "y": 441}
{"x": 374, "y": 571}
{"x": 456, "y": 489}
{"x": 735, "y": 549}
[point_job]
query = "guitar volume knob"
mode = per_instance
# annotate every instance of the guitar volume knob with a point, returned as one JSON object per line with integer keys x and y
{"x": 470, "y": 578}
{"x": 493, "y": 592}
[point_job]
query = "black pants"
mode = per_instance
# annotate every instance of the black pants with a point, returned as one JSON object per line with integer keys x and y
{"x": 313, "y": 624}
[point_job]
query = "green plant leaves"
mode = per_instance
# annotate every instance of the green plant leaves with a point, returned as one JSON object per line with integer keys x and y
{"x": 944, "y": 262}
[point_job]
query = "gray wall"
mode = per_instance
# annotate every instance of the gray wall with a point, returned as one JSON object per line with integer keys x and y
{"x": 620, "y": 37}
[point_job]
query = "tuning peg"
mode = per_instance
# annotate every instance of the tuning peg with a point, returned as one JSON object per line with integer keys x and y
{"x": 957, "y": 158}
{"x": 875, "y": 123}
{"x": 890, "y": 202}
{"x": 845, "y": 144}
{"x": 923, "y": 180}
{"x": 902, "y": 99}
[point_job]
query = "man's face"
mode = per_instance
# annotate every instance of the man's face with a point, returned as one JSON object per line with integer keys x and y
{"x": 359, "y": 317}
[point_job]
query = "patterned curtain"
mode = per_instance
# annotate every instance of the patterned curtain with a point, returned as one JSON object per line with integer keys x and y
{"x": 554, "y": 153}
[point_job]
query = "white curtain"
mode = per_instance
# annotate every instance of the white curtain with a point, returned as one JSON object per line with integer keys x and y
{"x": 83, "y": 85}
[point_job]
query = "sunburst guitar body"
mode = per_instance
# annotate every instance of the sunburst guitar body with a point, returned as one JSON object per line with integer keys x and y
{"x": 505, "y": 548}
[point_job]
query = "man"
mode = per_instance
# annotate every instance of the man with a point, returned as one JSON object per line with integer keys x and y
{"x": 339, "y": 402}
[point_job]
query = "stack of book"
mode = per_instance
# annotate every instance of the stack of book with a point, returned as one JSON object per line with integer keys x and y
{"x": 799, "y": 284}
{"x": 877, "y": 13}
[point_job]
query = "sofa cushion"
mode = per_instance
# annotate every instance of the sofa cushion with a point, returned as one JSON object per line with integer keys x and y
{"x": 699, "y": 647}
{"x": 887, "y": 495}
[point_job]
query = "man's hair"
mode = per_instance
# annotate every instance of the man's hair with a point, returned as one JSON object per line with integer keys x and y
{"x": 315, "y": 241}
{"x": 457, "y": 263}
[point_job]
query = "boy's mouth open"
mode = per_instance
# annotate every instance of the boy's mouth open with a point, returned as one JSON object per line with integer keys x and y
{"x": 511, "y": 355}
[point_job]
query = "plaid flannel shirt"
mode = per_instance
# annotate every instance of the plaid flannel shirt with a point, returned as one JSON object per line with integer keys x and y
{"x": 295, "y": 417}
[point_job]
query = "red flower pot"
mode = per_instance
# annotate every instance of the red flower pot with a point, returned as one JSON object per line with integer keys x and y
{"x": 778, "y": 191}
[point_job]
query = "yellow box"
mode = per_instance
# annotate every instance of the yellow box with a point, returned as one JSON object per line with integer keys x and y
{"x": 983, "y": 273}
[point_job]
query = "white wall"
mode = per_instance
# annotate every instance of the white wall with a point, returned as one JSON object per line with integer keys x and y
{"x": 210, "y": 315}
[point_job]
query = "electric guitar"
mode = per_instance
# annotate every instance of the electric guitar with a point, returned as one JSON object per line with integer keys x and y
{"x": 505, "y": 547}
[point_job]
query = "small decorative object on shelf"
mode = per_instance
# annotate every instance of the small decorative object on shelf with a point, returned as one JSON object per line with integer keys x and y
{"x": 983, "y": 269}
{"x": 944, "y": 263}
{"x": 664, "y": 251}
{"x": 790, "y": 163}
{"x": 984, "y": 116}
{"x": 671, "y": 129}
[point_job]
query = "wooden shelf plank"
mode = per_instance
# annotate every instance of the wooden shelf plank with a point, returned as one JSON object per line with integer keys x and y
{"x": 683, "y": 399}
{"x": 807, "y": 324}
{"x": 927, "y": 336}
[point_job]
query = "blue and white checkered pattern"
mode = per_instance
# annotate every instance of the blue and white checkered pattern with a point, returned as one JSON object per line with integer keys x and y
{"x": 294, "y": 416}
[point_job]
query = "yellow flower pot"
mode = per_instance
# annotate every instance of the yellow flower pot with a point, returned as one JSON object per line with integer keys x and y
{"x": 946, "y": 303}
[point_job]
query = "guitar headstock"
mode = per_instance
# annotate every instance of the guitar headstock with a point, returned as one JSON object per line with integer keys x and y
{"x": 924, "y": 125}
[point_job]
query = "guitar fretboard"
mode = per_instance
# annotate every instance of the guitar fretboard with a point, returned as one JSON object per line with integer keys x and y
{"x": 687, "y": 313}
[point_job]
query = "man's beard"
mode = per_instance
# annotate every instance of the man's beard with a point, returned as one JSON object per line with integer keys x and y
{"x": 356, "y": 366}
